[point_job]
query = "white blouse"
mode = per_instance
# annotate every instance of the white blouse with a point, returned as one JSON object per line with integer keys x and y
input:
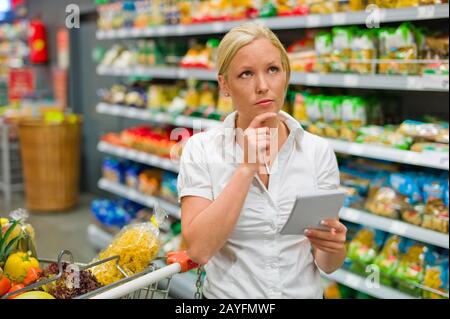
{"x": 257, "y": 261}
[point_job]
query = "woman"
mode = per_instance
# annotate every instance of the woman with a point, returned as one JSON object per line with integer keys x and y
{"x": 238, "y": 183}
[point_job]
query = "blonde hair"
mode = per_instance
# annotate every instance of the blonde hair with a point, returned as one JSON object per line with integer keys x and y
{"x": 242, "y": 35}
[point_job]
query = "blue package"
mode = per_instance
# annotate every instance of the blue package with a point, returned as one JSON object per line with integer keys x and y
{"x": 407, "y": 185}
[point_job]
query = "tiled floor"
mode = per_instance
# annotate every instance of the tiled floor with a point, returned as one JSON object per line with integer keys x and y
{"x": 58, "y": 231}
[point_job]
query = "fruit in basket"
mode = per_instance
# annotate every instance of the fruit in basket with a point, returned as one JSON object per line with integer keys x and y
{"x": 5, "y": 285}
{"x": 18, "y": 264}
{"x": 14, "y": 288}
{"x": 32, "y": 276}
{"x": 7, "y": 241}
{"x": 68, "y": 286}
{"x": 23, "y": 236}
{"x": 35, "y": 295}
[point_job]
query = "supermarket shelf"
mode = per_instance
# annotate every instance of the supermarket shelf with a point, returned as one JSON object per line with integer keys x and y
{"x": 137, "y": 156}
{"x": 395, "y": 227}
{"x": 373, "y": 81}
{"x": 359, "y": 283}
{"x": 138, "y": 197}
{"x": 154, "y": 116}
{"x": 280, "y": 23}
{"x": 426, "y": 159}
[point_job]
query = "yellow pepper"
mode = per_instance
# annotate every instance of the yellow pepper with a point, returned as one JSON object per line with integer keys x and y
{"x": 17, "y": 266}
{"x": 4, "y": 221}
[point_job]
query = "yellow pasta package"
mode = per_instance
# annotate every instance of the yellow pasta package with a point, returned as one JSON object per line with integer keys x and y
{"x": 136, "y": 245}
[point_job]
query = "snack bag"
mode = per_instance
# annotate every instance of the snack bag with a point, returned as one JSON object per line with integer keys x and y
{"x": 136, "y": 245}
{"x": 363, "y": 51}
{"x": 340, "y": 57}
{"x": 435, "y": 278}
{"x": 388, "y": 259}
{"x": 324, "y": 47}
{"x": 410, "y": 270}
{"x": 435, "y": 193}
{"x": 364, "y": 247}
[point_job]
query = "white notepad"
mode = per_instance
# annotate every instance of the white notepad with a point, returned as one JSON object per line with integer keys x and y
{"x": 311, "y": 208}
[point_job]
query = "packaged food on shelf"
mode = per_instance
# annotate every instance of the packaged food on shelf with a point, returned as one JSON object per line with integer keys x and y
{"x": 363, "y": 249}
{"x": 302, "y": 54}
{"x": 169, "y": 187}
{"x": 388, "y": 260}
{"x": 399, "y": 45}
{"x": 436, "y": 277}
{"x": 323, "y": 45}
{"x": 342, "y": 48}
{"x": 150, "y": 181}
{"x": 363, "y": 52}
{"x": 421, "y": 131}
{"x": 435, "y": 192}
{"x": 112, "y": 170}
{"x": 114, "y": 214}
{"x": 132, "y": 176}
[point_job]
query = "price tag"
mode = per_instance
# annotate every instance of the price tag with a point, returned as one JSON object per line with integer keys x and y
{"x": 135, "y": 32}
{"x": 350, "y": 215}
{"x": 218, "y": 27}
{"x": 339, "y": 18}
{"x": 425, "y": 12}
{"x": 312, "y": 20}
{"x": 122, "y": 33}
{"x": 182, "y": 74}
{"x": 352, "y": 280}
{"x": 181, "y": 29}
{"x": 414, "y": 83}
{"x": 312, "y": 79}
{"x": 398, "y": 228}
{"x": 162, "y": 30}
{"x": 351, "y": 80}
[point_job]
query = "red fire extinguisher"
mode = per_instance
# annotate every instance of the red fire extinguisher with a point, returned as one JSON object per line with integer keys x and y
{"x": 37, "y": 42}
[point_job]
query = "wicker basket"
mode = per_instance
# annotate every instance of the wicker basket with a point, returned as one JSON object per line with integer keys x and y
{"x": 51, "y": 164}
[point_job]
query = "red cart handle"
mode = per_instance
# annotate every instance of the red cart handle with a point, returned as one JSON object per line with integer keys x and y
{"x": 182, "y": 258}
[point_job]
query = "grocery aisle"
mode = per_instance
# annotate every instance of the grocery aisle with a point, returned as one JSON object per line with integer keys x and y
{"x": 371, "y": 77}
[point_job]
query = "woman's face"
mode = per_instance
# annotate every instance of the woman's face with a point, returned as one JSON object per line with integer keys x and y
{"x": 256, "y": 80}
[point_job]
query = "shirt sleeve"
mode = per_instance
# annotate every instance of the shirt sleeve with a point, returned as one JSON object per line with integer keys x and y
{"x": 327, "y": 170}
{"x": 194, "y": 178}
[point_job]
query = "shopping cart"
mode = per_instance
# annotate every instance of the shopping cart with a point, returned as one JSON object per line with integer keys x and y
{"x": 152, "y": 283}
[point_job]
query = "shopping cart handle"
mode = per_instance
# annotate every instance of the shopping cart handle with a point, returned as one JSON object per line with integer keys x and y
{"x": 182, "y": 258}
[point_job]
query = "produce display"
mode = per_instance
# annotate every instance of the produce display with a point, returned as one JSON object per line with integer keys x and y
{"x": 145, "y": 13}
{"x": 419, "y": 198}
{"x": 407, "y": 265}
{"x": 190, "y": 98}
{"x": 14, "y": 50}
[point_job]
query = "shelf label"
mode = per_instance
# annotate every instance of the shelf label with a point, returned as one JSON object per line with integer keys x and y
{"x": 312, "y": 79}
{"x": 398, "y": 228}
{"x": 339, "y": 18}
{"x": 351, "y": 80}
{"x": 182, "y": 74}
{"x": 162, "y": 30}
{"x": 414, "y": 83}
{"x": 135, "y": 32}
{"x": 350, "y": 215}
{"x": 218, "y": 27}
{"x": 312, "y": 20}
{"x": 425, "y": 12}
{"x": 352, "y": 280}
{"x": 181, "y": 29}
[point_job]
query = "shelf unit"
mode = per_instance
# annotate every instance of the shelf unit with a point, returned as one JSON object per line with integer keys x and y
{"x": 138, "y": 197}
{"x": 435, "y": 83}
{"x": 359, "y": 283}
{"x": 427, "y": 83}
{"x": 425, "y": 159}
{"x": 440, "y": 11}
